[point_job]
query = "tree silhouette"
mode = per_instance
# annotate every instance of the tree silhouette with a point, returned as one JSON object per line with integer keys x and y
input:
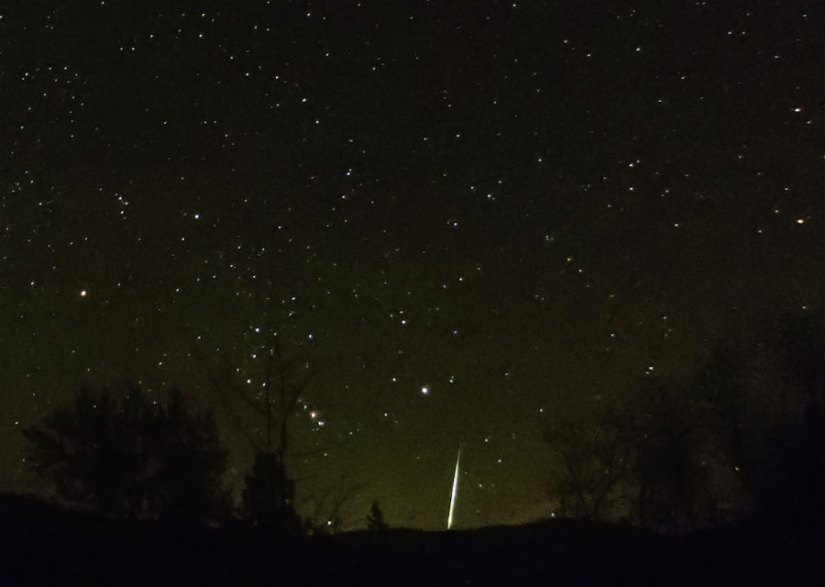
{"x": 262, "y": 407}
{"x": 375, "y": 519}
{"x": 791, "y": 463}
{"x": 676, "y": 448}
{"x": 774, "y": 441}
{"x": 132, "y": 459}
{"x": 803, "y": 355}
{"x": 667, "y": 476}
{"x": 269, "y": 493}
{"x": 594, "y": 457}
{"x": 693, "y": 440}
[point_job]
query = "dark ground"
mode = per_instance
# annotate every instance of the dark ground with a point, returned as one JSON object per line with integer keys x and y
{"x": 40, "y": 545}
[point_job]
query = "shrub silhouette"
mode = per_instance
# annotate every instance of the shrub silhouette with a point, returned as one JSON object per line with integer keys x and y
{"x": 132, "y": 459}
{"x": 375, "y": 519}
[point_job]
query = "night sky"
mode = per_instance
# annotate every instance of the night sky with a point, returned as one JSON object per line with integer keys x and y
{"x": 455, "y": 218}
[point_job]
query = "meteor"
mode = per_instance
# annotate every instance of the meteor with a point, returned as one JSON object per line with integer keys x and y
{"x": 454, "y": 493}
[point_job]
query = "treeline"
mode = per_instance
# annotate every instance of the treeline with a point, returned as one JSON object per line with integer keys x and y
{"x": 133, "y": 459}
{"x": 683, "y": 455}
{"x": 677, "y": 456}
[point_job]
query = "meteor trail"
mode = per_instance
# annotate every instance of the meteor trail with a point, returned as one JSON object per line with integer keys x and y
{"x": 455, "y": 490}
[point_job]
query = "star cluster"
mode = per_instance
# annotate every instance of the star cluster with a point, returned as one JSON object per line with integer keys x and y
{"x": 451, "y": 216}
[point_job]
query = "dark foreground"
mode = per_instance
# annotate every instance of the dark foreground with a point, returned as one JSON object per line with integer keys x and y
{"x": 40, "y": 546}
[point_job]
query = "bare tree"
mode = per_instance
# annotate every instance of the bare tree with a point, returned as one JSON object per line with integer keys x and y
{"x": 269, "y": 493}
{"x": 595, "y": 462}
